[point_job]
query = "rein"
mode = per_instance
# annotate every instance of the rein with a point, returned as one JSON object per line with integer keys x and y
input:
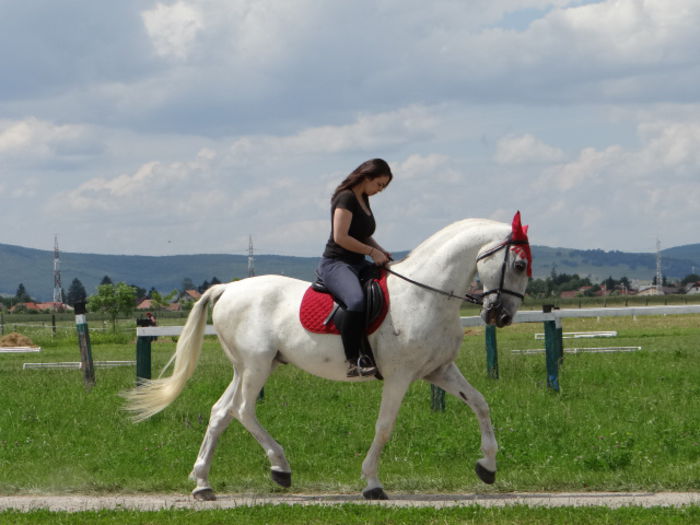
{"x": 474, "y": 299}
{"x": 469, "y": 298}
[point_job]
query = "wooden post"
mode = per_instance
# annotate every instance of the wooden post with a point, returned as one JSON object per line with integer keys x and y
{"x": 84, "y": 342}
{"x": 143, "y": 354}
{"x": 491, "y": 351}
{"x": 553, "y": 349}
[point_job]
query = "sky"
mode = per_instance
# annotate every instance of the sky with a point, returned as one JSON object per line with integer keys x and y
{"x": 180, "y": 127}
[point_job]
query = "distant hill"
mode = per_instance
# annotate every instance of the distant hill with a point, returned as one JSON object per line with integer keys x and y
{"x": 34, "y": 268}
{"x": 676, "y": 263}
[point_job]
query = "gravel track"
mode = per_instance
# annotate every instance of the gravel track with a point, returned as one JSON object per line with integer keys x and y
{"x": 146, "y": 502}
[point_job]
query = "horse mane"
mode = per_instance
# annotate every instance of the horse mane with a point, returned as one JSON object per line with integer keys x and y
{"x": 441, "y": 238}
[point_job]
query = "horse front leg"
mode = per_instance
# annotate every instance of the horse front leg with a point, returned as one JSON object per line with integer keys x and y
{"x": 451, "y": 380}
{"x": 392, "y": 397}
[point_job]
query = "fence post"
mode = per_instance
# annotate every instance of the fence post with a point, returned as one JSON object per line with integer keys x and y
{"x": 143, "y": 353}
{"x": 554, "y": 351}
{"x": 437, "y": 399}
{"x": 491, "y": 352}
{"x": 84, "y": 342}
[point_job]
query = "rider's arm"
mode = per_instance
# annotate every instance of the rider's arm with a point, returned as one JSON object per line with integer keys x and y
{"x": 341, "y": 228}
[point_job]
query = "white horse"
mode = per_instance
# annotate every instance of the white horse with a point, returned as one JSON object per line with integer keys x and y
{"x": 257, "y": 322}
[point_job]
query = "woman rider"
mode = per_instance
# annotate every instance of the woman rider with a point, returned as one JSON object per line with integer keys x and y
{"x": 352, "y": 226}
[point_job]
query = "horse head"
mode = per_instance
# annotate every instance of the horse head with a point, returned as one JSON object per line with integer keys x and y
{"x": 505, "y": 277}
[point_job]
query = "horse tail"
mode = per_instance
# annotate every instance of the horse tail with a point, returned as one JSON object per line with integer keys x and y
{"x": 155, "y": 395}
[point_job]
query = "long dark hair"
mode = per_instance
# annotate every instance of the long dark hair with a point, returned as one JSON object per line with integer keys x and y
{"x": 370, "y": 169}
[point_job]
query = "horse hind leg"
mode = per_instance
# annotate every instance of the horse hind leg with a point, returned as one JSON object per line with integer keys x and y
{"x": 251, "y": 385}
{"x": 221, "y": 416}
{"x": 450, "y": 379}
{"x": 238, "y": 401}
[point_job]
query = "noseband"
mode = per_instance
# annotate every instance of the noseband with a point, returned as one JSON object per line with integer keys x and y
{"x": 469, "y": 298}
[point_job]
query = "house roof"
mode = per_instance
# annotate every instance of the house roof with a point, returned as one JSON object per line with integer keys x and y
{"x": 41, "y": 306}
{"x": 146, "y": 304}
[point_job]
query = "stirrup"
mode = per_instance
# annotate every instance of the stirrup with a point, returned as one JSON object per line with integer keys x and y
{"x": 365, "y": 366}
{"x": 353, "y": 370}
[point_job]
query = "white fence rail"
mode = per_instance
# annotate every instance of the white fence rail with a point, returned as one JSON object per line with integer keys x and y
{"x": 554, "y": 348}
{"x": 156, "y": 331}
{"x": 528, "y": 316}
{"x": 523, "y": 316}
{"x": 552, "y": 321}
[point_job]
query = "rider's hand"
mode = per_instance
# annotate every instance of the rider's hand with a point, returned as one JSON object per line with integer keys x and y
{"x": 379, "y": 257}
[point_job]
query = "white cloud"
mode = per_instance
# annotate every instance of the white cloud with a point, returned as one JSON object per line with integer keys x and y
{"x": 674, "y": 145}
{"x": 670, "y": 151}
{"x": 32, "y": 139}
{"x": 151, "y": 189}
{"x": 367, "y": 133}
{"x": 525, "y": 149}
{"x": 431, "y": 169}
{"x": 481, "y": 107}
{"x": 173, "y": 29}
{"x": 622, "y": 198}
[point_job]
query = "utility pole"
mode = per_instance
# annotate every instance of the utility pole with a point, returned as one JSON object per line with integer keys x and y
{"x": 251, "y": 257}
{"x": 659, "y": 277}
{"x": 57, "y": 288}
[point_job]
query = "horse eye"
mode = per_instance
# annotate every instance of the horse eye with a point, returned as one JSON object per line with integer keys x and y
{"x": 520, "y": 266}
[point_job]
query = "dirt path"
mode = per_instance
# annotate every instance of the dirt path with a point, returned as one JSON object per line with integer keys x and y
{"x": 76, "y": 503}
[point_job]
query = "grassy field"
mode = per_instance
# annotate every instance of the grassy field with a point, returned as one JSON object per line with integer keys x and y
{"x": 628, "y": 421}
{"x": 356, "y": 514}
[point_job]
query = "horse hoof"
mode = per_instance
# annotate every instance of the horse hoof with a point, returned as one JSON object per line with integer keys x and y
{"x": 204, "y": 495}
{"x": 283, "y": 479}
{"x": 375, "y": 494}
{"x": 485, "y": 475}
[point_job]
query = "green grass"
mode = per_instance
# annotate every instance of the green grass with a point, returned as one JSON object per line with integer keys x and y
{"x": 621, "y": 422}
{"x": 357, "y": 514}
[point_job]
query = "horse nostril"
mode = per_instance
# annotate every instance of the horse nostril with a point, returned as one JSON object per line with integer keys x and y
{"x": 505, "y": 319}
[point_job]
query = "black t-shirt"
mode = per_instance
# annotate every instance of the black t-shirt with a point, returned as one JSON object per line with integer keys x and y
{"x": 362, "y": 227}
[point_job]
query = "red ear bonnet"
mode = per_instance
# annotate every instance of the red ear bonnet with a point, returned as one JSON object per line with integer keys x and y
{"x": 520, "y": 235}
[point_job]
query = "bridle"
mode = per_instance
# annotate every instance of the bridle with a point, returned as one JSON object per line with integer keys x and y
{"x": 501, "y": 290}
{"x": 479, "y": 298}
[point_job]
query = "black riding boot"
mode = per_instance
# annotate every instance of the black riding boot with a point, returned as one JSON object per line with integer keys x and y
{"x": 351, "y": 333}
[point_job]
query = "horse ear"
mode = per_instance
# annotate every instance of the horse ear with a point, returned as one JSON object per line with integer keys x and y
{"x": 520, "y": 234}
{"x": 518, "y": 229}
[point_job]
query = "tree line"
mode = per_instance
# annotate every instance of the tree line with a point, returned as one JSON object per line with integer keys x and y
{"x": 124, "y": 297}
{"x": 557, "y": 283}
{"x": 77, "y": 293}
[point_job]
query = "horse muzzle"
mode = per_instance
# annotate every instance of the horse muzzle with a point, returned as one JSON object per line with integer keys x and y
{"x": 496, "y": 315}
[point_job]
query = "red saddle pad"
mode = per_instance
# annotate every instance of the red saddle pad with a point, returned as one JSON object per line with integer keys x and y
{"x": 317, "y": 306}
